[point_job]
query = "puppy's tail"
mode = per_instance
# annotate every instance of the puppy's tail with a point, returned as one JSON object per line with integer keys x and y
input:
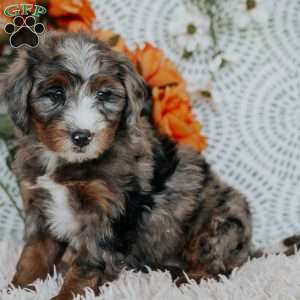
{"x": 288, "y": 246}
{"x": 292, "y": 244}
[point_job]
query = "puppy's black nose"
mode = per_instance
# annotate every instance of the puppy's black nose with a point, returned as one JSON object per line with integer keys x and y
{"x": 81, "y": 138}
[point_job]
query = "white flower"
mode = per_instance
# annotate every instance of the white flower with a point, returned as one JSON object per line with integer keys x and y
{"x": 220, "y": 59}
{"x": 201, "y": 91}
{"x": 190, "y": 29}
{"x": 204, "y": 84}
{"x": 251, "y": 11}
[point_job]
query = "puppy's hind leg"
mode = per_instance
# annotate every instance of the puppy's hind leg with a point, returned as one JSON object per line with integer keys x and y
{"x": 222, "y": 242}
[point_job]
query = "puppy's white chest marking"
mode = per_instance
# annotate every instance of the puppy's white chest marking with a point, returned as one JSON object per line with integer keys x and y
{"x": 61, "y": 218}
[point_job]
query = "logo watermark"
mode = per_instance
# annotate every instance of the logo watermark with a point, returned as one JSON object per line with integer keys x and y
{"x": 24, "y": 29}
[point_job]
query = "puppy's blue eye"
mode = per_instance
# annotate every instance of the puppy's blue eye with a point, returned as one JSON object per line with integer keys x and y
{"x": 57, "y": 95}
{"x": 104, "y": 95}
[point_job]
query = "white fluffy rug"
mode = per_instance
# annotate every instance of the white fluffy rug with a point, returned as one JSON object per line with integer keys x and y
{"x": 274, "y": 277}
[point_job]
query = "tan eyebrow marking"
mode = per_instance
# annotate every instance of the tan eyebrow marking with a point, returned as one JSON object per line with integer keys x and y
{"x": 97, "y": 82}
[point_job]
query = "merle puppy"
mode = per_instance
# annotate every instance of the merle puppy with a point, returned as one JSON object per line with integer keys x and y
{"x": 102, "y": 189}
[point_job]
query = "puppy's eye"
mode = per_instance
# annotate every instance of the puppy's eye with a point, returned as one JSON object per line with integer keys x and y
{"x": 104, "y": 95}
{"x": 56, "y": 94}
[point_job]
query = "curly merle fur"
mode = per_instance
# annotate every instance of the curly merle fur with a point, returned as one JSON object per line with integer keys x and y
{"x": 131, "y": 197}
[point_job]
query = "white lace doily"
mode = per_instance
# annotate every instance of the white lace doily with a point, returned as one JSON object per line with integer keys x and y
{"x": 254, "y": 137}
{"x": 11, "y": 224}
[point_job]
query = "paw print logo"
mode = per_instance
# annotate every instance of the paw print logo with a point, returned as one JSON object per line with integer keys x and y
{"x": 24, "y": 32}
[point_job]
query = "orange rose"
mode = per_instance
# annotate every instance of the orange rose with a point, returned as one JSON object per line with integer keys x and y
{"x": 114, "y": 40}
{"x": 156, "y": 69}
{"x": 172, "y": 113}
{"x": 73, "y": 24}
{"x": 65, "y": 11}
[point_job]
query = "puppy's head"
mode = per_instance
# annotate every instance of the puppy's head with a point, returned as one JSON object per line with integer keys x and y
{"x": 73, "y": 93}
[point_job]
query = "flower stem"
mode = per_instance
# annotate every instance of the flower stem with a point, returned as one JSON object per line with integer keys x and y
{"x": 209, "y": 7}
{"x": 210, "y": 4}
{"x": 12, "y": 200}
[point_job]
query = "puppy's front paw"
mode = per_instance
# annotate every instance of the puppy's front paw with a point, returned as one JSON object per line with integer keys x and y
{"x": 20, "y": 282}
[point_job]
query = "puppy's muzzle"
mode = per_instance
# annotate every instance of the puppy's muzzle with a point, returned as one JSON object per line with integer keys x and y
{"x": 81, "y": 138}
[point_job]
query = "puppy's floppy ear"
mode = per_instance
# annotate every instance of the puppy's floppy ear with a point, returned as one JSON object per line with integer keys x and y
{"x": 136, "y": 92}
{"x": 15, "y": 86}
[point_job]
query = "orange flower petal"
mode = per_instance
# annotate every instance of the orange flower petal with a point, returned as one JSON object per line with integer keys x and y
{"x": 196, "y": 141}
{"x": 172, "y": 113}
{"x": 156, "y": 69}
{"x": 173, "y": 105}
{"x": 80, "y": 9}
{"x": 73, "y": 24}
{"x": 166, "y": 75}
{"x": 148, "y": 61}
{"x": 114, "y": 40}
{"x": 179, "y": 128}
{"x": 196, "y": 126}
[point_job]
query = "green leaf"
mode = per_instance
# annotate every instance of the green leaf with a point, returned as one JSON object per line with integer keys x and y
{"x": 6, "y": 127}
{"x": 187, "y": 54}
{"x": 6, "y": 60}
{"x": 114, "y": 40}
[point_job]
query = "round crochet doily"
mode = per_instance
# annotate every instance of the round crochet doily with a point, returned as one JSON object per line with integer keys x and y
{"x": 254, "y": 134}
{"x": 11, "y": 224}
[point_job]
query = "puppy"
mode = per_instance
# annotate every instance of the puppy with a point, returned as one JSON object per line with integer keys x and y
{"x": 102, "y": 189}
